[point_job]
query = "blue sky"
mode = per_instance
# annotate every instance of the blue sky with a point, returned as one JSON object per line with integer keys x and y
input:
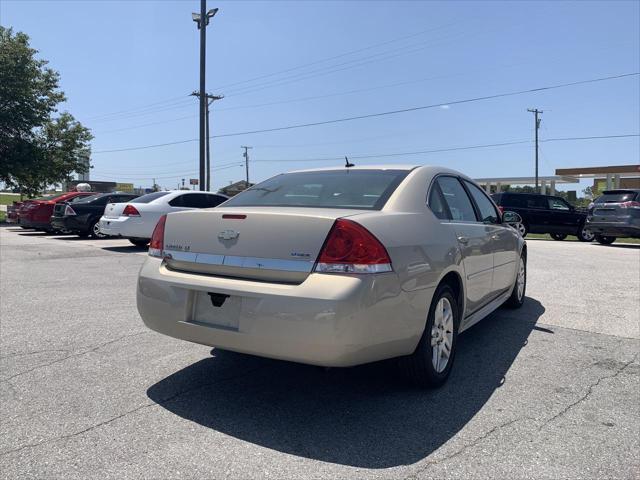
{"x": 125, "y": 65}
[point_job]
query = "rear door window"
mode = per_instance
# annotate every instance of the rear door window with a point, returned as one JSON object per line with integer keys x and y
{"x": 215, "y": 200}
{"x": 488, "y": 213}
{"x": 457, "y": 199}
{"x": 437, "y": 203}
{"x": 558, "y": 204}
{"x": 535, "y": 201}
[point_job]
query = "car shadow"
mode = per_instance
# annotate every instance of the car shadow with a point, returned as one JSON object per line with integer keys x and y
{"x": 366, "y": 416}
{"x": 126, "y": 249}
{"x": 622, "y": 245}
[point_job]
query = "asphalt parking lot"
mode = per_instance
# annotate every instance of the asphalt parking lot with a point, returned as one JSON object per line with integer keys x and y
{"x": 86, "y": 391}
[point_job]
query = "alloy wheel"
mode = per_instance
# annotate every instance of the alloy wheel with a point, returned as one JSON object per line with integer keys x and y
{"x": 522, "y": 278}
{"x": 442, "y": 335}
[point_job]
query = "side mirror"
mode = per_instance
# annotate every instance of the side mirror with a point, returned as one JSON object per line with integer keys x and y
{"x": 511, "y": 218}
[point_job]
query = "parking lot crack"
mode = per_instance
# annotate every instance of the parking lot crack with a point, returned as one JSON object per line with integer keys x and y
{"x": 161, "y": 402}
{"x": 466, "y": 447}
{"x": 74, "y": 355}
{"x": 35, "y": 352}
{"x": 589, "y": 391}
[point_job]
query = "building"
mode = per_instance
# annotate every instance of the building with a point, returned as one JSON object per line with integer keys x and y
{"x": 235, "y": 188}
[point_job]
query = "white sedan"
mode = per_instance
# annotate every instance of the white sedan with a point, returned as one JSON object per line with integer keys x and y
{"x": 136, "y": 219}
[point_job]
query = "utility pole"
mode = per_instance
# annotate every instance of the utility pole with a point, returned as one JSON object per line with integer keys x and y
{"x": 210, "y": 99}
{"x": 536, "y": 112}
{"x": 246, "y": 161}
{"x": 202, "y": 19}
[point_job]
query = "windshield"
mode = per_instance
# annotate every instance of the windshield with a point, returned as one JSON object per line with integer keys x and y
{"x": 361, "y": 189}
{"x": 149, "y": 197}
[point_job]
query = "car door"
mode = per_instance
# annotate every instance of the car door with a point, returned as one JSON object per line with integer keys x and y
{"x": 562, "y": 216}
{"x": 504, "y": 240}
{"x": 474, "y": 241}
{"x": 537, "y": 213}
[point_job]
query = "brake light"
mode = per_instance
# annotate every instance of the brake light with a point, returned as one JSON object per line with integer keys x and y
{"x": 68, "y": 211}
{"x": 351, "y": 248}
{"x": 130, "y": 211}
{"x": 630, "y": 204}
{"x": 156, "y": 245}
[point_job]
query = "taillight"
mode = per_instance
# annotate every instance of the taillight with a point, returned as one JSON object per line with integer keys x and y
{"x": 156, "y": 245}
{"x": 630, "y": 204}
{"x": 130, "y": 211}
{"x": 69, "y": 211}
{"x": 501, "y": 209}
{"x": 351, "y": 248}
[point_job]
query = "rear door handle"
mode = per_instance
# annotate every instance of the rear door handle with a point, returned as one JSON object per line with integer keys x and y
{"x": 495, "y": 237}
{"x": 463, "y": 240}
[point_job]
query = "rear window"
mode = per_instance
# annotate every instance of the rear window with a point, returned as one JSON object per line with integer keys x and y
{"x": 49, "y": 197}
{"x": 85, "y": 199}
{"x": 149, "y": 197}
{"x": 616, "y": 197}
{"x": 360, "y": 189}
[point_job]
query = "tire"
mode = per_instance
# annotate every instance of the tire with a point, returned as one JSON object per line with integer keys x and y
{"x": 420, "y": 367}
{"x": 585, "y": 235}
{"x": 558, "y": 236}
{"x": 517, "y": 295}
{"x": 605, "y": 240}
{"x": 139, "y": 242}
{"x": 522, "y": 229}
{"x": 94, "y": 230}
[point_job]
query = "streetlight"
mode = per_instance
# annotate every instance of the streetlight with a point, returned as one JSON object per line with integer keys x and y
{"x": 202, "y": 19}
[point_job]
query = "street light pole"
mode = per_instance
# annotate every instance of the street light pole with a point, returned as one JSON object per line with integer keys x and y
{"x": 202, "y": 19}
{"x": 210, "y": 99}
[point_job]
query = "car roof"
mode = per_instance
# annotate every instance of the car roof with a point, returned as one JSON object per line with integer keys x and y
{"x": 622, "y": 190}
{"x": 358, "y": 167}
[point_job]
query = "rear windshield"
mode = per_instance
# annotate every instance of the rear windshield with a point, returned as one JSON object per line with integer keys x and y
{"x": 85, "y": 199}
{"x": 361, "y": 189}
{"x": 616, "y": 197}
{"x": 149, "y": 197}
{"x": 49, "y": 197}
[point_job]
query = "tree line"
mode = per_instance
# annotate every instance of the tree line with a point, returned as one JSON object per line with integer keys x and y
{"x": 39, "y": 146}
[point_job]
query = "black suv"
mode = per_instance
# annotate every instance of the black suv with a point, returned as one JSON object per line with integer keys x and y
{"x": 545, "y": 214}
{"x": 81, "y": 217}
{"x": 615, "y": 214}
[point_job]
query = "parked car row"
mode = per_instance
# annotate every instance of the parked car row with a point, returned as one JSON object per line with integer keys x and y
{"x": 117, "y": 214}
{"x": 616, "y": 213}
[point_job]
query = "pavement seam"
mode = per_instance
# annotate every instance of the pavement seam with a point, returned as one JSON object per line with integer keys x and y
{"x": 162, "y": 402}
{"x": 589, "y": 391}
{"x": 74, "y": 355}
{"x": 467, "y": 446}
{"x": 35, "y": 352}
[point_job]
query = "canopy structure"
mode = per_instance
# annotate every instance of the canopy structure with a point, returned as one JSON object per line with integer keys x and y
{"x": 612, "y": 174}
{"x": 551, "y": 180}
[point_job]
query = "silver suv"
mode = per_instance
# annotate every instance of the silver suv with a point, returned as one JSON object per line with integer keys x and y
{"x": 616, "y": 213}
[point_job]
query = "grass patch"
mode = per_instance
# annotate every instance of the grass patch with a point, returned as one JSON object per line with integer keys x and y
{"x": 571, "y": 238}
{"x": 8, "y": 198}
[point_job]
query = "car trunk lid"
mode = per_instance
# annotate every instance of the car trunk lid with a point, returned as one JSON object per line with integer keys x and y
{"x": 275, "y": 244}
{"x": 114, "y": 210}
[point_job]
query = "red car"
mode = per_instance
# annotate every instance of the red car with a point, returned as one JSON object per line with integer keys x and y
{"x": 37, "y": 213}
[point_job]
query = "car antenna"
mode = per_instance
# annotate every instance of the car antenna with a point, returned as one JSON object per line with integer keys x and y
{"x": 347, "y": 163}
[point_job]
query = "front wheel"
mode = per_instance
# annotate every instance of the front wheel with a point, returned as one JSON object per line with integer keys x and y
{"x": 431, "y": 362}
{"x": 520, "y": 286}
{"x": 585, "y": 235}
{"x": 522, "y": 229}
{"x": 558, "y": 236}
{"x": 605, "y": 240}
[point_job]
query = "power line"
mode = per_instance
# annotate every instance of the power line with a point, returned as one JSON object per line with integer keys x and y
{"x": 381, "y": 114}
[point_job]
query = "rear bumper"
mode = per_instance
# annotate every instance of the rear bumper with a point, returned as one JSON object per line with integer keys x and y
{"x": 614, "y": 229}
{"x": 69, "y": 224}
{"x": 27, "y": 223}
{"x": 328, "y": 320}
{"x": 128, "y": 227}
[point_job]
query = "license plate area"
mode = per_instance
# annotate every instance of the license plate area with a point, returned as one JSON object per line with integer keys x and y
{"x": 205, "y": 312}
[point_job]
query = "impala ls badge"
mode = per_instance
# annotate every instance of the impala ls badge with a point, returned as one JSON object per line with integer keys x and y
{"x": 228, "y": 235}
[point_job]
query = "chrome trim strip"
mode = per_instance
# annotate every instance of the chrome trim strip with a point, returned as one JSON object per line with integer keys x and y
{"x": 304, "y": 266}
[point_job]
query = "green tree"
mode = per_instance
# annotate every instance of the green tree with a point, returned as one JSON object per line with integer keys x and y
{"x": 36, "y": 148}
